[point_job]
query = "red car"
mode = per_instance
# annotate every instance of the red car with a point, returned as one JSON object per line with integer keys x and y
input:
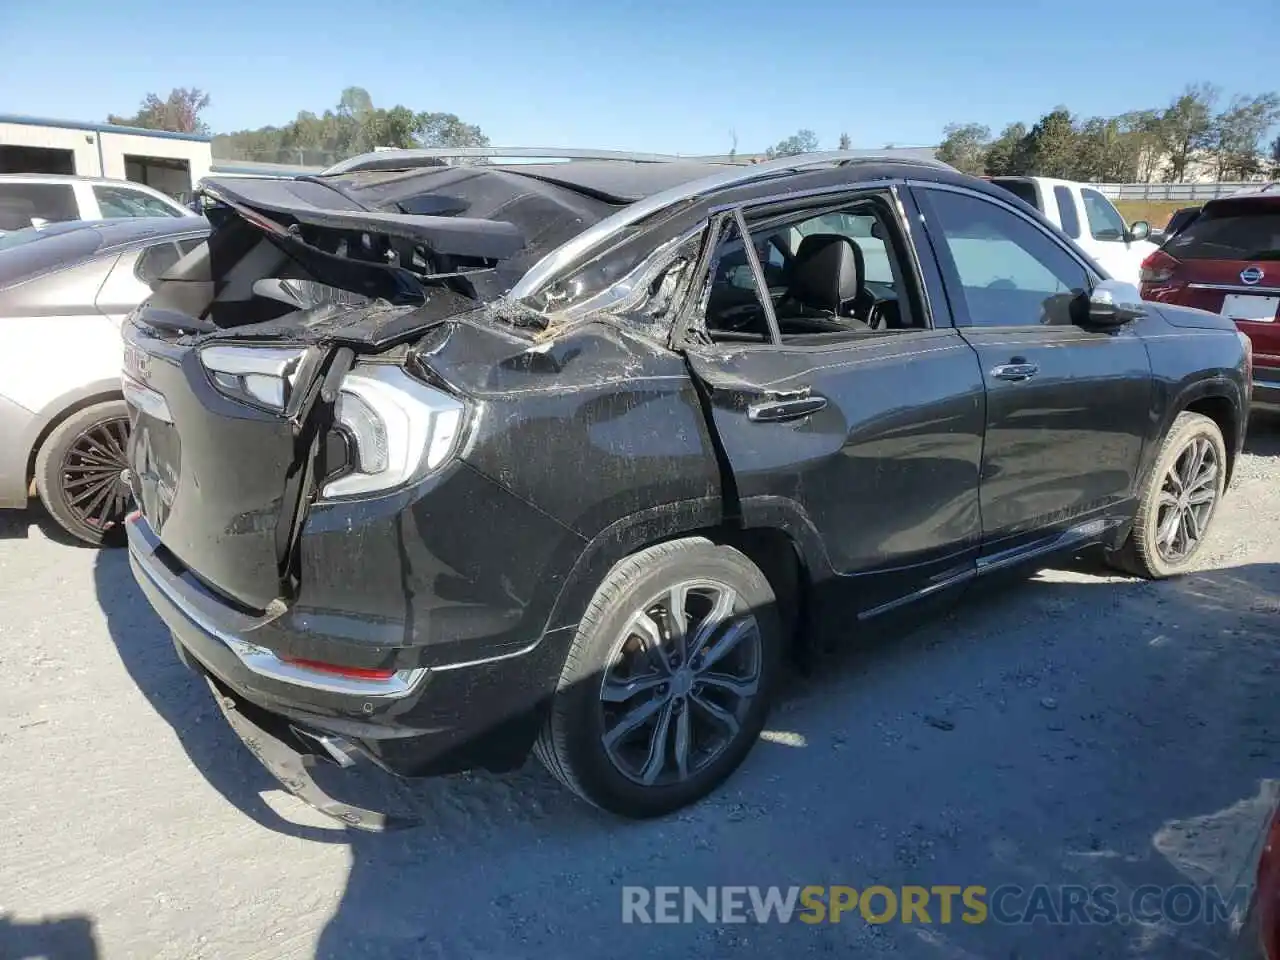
{"x": 1227, "y": 261}
{"x": 1260, "y": 936}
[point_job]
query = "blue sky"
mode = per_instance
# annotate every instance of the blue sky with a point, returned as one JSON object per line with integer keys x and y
{"x": 651, "y": 75}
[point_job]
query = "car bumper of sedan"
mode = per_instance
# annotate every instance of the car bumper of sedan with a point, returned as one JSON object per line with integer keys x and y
{"x": 16, "y": 423}
{"x": 416, "y": 721}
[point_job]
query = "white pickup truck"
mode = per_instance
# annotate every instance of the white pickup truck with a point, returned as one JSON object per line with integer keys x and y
{"x": 1088, "y": 218}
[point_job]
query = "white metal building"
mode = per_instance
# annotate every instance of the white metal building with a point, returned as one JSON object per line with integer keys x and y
{"x": 170, "y": 162}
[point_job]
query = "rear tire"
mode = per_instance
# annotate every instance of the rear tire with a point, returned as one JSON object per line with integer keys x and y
{"x": 698, "y": 723}
{"x": 1179, "y": 501}
{"x": 78, "y": 472}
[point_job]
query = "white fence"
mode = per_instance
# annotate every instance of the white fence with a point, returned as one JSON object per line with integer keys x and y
{"x": 1190, "y": 192}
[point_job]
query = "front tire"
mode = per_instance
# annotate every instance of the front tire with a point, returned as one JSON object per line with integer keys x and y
{"x": 78, "y": 472}
{"x": 1179, "y": 501}
{"x": 667, "y": 682}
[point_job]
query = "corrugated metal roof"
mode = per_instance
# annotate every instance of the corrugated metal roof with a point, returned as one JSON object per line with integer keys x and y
{"x": 101, "y": 128}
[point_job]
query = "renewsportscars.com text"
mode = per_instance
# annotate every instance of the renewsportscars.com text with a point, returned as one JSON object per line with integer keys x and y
{"x": 941, "y": 903}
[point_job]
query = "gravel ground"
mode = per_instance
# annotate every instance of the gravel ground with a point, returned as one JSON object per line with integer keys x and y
{"x": 1068, "y": 728}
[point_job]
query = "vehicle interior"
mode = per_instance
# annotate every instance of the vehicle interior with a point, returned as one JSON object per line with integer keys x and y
{"x": 828, "y": 275}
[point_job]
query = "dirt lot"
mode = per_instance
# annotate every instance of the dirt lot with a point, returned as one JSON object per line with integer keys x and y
{"x": 1073, "y": 727}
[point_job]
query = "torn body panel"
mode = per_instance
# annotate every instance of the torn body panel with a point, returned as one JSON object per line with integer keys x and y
{"x": 277, "y": 204}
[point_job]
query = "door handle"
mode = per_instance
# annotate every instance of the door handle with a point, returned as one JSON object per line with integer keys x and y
{"x": 1015, "y": 371}
{"x": 774, "y": 411}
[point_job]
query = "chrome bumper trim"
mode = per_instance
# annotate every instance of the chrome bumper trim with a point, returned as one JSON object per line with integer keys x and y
{"x": 264, "y": 663}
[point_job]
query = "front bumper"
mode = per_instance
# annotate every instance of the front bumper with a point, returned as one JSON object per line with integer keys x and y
{"x": 16, "y": 427}
{"x": 421, "y": 721}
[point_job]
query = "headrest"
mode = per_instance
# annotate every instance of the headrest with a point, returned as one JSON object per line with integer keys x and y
{"x": 826, "y": 272}
{"x": 16, "y": 213}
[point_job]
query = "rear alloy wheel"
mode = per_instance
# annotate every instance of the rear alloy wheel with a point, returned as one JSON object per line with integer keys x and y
{"x": 666, "y": 686}
{"x": 79, "y": 472}
{"x": 679, "y": 682}
{"x": 1179, "y": 501}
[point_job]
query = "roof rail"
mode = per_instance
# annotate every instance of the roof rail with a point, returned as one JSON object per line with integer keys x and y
{"x": 573, "y": 250}
{"x": 1253, "y": 189}
{"x": 397, "y": 159}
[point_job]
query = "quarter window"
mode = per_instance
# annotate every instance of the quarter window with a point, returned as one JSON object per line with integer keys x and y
{"x": 155, "y": 260}
{"x": 1105, "y": 222}
{"x": 1009, "y": 271}
{"x": 1067, "y": 212}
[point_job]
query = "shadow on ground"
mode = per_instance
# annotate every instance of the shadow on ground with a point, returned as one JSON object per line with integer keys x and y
{"x": 17, "y": 524}
{"x": 1044, "y": 732}
{"x": 1264, "y": 434}
{"x": 49, "y": 938}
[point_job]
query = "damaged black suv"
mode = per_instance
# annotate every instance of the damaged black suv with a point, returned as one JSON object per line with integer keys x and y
{"x": 443, "y": 456}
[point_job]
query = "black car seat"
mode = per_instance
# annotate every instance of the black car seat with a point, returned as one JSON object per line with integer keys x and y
{"x": 827, "y": 281}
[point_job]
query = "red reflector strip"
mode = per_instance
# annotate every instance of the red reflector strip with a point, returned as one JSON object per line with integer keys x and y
{"x": 359, "y": 673}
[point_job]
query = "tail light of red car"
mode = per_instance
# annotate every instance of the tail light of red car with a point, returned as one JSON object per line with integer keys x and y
{"x": 1158, "y": 268}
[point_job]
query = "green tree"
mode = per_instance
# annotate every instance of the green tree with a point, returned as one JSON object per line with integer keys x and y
{"x": 1109, "y": 149}
{"x": 1051, "y": 145}
{"x": 1238, "y": 131}
{"x": 355, "y": 102}
{"x": 1006, "y": 156}
{"x": 802, "y": 141}
{"x": 178, "y": 113}
{"x": 446, "y": 130}
{"x": 1275, "y": 158}
{"x": 1187, "y": 128}
{"x": 845, "y": 142}
{"x": 1144, "y": 142}
{"x": 354, "y": 126}
{"x": 964, "y": 146}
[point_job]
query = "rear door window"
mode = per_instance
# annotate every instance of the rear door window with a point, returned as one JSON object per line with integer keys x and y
{"x": 1067, "y": 212}
{"x": 20, "y": 203}
{"x": 1105, "y": 222}
{"x": 827, "y": 277}
{"x": 117, "y": 203}
{"x": 1024, "y": 190}
{"x": 1243, "y": 235}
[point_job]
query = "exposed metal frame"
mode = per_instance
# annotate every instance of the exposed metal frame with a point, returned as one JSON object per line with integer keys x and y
{"x": 576, "y": 249}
